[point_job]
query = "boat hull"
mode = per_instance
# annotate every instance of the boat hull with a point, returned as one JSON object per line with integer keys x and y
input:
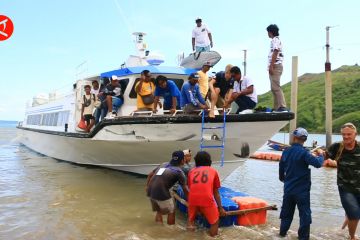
{"x": 138, "y": 148}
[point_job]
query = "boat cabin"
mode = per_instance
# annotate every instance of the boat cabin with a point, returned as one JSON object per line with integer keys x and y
{"x": 64, "y": 112}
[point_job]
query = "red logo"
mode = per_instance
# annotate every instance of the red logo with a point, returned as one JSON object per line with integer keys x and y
{"x": 6, "y": 27}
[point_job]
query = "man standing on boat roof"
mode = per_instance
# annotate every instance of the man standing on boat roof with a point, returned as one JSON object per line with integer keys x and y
{"x": 145, "y": 89}
{"x": 114, "y": 97}
{"x": 295, "y": 173}
{"x": 159, "y": 184}
{"x": 191, "y": 99}
{"x": 275, "y": 68}
{"x": 201, "y": 37}
{"x": 243, "y": 93}
{"x": 169, "y": 91}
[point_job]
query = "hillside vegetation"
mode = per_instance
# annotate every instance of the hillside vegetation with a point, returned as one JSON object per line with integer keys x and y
{"x": 311, "y": 99}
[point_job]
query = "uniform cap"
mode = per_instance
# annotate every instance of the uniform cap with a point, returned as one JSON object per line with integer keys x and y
{"x": 300, "y": 132}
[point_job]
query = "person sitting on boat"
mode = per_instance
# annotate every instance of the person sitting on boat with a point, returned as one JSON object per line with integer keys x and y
{"x": 169, "y": 91}
{"x": 102, "y": 97}
{"x": 114, "y": 97}
{"x": 187, "y": 158}
{"x": 145, "y": 89}
{"x": 220, "y": 88}
{"x": 243, "y": 93}
{"x": 295, "y": 173}
{"x": 204, "y": 79}
{"x": 191, "y": 99}
{"x": 201, "y": 37}
{"x": 87, "y": 108}
{"x": 159, "y": 184}
{"x": 204, "y": 197}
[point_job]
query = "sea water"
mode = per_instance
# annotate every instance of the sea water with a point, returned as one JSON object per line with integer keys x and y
{"x": 42, "y": 198}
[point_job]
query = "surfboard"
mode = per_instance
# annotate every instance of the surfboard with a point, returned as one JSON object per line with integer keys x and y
{"x": 197, "y": 59}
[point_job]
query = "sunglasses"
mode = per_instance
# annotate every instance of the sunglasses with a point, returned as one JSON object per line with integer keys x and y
{"x": 349, "y": 125}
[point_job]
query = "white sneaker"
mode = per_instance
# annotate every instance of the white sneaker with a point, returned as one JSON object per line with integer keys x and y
{"x": 246, "y": 111}
{"x": 110, "y": 115}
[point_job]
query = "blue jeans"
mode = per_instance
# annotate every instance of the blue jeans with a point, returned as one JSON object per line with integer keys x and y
{"x": 97, "y": 115}
{"x": 290, "y": 201}
{"x": 351, "y": 204}
{"x": 116, "y": 103}
{"x": 202, "y": 49}
{"x": 244, "y": 102}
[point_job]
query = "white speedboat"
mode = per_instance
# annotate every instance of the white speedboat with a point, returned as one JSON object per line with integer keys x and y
{"x": 137, "y": 143}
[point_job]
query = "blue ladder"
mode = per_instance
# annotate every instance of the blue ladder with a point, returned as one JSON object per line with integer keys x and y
{"x": 223, "y": 127}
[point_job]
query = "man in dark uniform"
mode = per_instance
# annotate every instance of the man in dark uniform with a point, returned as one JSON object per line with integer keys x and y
{"x": 295, "y": 173}
{"x": 159, "y": 183}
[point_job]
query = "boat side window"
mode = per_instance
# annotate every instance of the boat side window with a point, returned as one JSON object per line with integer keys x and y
{"x": 132, "y": 92}
{"x": 33, "y": 119}
{"x": 124, "y": 83}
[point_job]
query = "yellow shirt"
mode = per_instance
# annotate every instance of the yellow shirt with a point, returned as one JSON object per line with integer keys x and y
{"x": 203, "y": 83}
{"x": 146, "y": 89}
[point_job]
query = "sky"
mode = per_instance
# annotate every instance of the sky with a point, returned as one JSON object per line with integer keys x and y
{"x": 52, "y": 38}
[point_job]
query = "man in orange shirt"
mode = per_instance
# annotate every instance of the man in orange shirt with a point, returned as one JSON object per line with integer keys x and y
{"x": 204, "y": 197}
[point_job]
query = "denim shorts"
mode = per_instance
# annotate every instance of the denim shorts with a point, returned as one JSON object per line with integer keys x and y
{"x": 351, "y": 204}
{"x": 116, "y": 102}
{"x": 202, "y": 49}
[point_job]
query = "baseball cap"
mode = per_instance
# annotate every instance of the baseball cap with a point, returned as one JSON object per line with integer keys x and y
{"x": 207, "y": 64}
{"x": 300, "y": 132}
{"x": 194, "y": 76}
{"x": 186, "y": 151}
{"x": 198, "y": 19}
{"x": 114, "y": 77}
{"x": 176, "y": 157}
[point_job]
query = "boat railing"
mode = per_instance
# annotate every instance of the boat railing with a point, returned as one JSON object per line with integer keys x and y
{"x": 141, "y": 113}
{"x": 151, "y": 113}
{"x": 218, "y": 110}
{"x": 174, "y": 114}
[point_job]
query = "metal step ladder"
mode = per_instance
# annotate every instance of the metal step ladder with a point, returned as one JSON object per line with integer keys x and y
{"x": 204, "y": 128}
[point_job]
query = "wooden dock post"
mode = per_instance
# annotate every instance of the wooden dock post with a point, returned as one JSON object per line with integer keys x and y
{"x": 328, "y": 93}
{"x": 294, "y": 94}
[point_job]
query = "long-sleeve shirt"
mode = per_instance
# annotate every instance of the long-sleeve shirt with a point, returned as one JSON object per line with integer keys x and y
{"x": 294, "y": 168}
{"x": 191, "y": 94}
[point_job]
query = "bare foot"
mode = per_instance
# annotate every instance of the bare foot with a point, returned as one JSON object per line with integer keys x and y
{"x": 211, "y": 114}
{"x": 191, "y": 227}
{"x": 346, "y": 221}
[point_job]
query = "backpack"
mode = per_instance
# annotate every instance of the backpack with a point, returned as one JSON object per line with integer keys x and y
{"x": 88, "y": 102}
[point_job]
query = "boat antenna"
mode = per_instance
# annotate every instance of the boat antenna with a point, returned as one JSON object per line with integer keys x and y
{"x": 124, "y": 18}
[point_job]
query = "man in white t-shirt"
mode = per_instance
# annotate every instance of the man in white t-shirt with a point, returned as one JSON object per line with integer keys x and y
{"x": 275, "y": 67}
{"x": 243, "y": 93}
{"x": 201, "y": 37}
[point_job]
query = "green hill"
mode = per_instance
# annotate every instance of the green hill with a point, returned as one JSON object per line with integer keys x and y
{"x": 311, "y": 99}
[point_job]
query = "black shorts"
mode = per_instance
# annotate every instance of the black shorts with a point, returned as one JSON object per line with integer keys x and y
{"x": 88, "y": 117}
